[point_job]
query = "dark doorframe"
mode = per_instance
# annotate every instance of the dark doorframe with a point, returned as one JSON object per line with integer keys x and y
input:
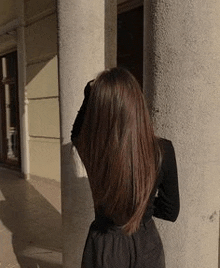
{"x": 9, "y": 106}
{"x": 130, "y": 38}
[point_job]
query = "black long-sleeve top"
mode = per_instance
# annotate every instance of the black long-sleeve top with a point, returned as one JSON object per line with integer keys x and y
{"x": 164, "y": 201}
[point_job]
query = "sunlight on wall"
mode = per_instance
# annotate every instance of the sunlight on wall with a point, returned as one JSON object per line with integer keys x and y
{"x": 43, "y": 107}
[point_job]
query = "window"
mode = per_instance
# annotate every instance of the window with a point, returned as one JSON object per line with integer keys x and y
{"x": 9, "y": 118}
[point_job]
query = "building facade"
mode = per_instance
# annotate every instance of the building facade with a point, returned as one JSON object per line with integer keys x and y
{"x": 29, "y": 29}
{"x": 50, "y": 49}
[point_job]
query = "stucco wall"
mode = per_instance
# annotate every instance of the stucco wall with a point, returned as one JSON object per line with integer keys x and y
{"x": 42, "y": 88}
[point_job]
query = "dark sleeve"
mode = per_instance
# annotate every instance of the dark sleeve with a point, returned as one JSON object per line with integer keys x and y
{"x": 167, "y": 204}
{"x": 80, "y": 116}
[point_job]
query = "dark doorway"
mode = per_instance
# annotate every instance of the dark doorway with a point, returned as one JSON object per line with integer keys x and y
{"x": 9, "y": 107}
{"x": 130, "y": 41}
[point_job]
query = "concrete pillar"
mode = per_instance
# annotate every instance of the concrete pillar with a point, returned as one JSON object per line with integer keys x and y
{"x": 185, "y": 60}
{"x": 82, "y": 54}
{"x": 23, "y": 101}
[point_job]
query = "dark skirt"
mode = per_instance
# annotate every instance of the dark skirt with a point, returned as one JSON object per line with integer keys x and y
{"x": 113, "y": 249}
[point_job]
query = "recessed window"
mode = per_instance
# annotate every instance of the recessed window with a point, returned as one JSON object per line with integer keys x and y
{"x": 9, "y": 134}
{"x": 130, "y": 38}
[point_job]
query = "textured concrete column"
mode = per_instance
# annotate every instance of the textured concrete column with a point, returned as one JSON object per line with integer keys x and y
{"x": 82, "y": 54}
{"x": 23, "y": 102}
{"x": 186, "y": 82}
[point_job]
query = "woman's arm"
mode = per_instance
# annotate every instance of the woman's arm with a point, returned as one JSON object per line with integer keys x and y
{"x": 167, "y": 204}
{"x": 80, "y": 116}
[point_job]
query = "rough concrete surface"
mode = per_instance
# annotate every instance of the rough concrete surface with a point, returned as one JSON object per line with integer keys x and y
{"x": 187, "y": 101}
{"x": 81, "y": 57}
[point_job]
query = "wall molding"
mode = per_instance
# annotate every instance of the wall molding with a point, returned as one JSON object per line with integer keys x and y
{"x": 14, "y": 24}
{"x": 44, "y": 14}
{"x": 44, "y": 137}
{"x": 9, "y": 27}
{"x": 8, "y": 49}
{"x": 43, "y": 98}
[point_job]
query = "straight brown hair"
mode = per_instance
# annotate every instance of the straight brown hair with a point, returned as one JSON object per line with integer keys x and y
{"x": 118, "y": 148}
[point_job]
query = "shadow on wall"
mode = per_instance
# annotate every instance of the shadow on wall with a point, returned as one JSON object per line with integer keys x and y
{"x": 42, "y": 69}
{"x": 34, "y": 223}
{"x": 78, "y": 211}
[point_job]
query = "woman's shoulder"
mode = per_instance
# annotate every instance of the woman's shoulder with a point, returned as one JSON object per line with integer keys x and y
{"x": 168, "y": 153}
{"x": 164, "y": 143}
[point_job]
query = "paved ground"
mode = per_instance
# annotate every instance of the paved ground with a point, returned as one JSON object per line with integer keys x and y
{"x": 30, "y": 222}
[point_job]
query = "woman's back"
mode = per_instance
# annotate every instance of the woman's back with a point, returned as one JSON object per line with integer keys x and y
{"x": 118, "y": 148}
{"x": 123, "y": 158}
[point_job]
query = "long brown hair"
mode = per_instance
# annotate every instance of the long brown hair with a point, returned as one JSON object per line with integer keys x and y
{"x": 118, "y": 147}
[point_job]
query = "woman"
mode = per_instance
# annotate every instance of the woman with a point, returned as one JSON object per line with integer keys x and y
{"x": 132, "y": 174}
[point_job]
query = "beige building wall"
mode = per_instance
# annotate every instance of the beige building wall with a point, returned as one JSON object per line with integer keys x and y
{"x": 42, "y": 88}
{"x": 7, "y": 14}
{"x": 7, "y": 11}
{"x": 30, "y": 27}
